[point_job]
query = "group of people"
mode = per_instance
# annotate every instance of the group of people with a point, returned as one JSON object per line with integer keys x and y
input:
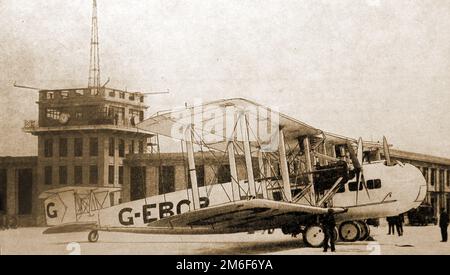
{"x": 395, "y": 223}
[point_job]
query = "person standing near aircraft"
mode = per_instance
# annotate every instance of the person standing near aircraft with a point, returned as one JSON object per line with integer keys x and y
{"x": 443, "y": 224}
{"x": 399, "y": 220}
{"x": 328, "y": 223}
{"x": 390, "y": 221}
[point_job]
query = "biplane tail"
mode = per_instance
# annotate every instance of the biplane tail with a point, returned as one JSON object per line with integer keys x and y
{"x": 75, "y": 209}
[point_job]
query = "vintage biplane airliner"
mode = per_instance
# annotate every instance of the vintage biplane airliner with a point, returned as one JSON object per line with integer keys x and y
{"x": 294, "y": 174}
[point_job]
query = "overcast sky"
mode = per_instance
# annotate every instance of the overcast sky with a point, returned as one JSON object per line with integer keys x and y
{"x": 359, "y": 68}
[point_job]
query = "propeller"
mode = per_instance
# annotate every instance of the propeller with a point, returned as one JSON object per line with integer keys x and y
{"x": 357, "y": 160}
{"x": 387, "y": 154}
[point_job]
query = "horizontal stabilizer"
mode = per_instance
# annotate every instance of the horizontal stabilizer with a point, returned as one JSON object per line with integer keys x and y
{"x": 71, "y": 227}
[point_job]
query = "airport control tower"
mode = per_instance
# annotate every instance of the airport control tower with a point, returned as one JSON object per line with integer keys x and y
{"x": 85, "y": 133}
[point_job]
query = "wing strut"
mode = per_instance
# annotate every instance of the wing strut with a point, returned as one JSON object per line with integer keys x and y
{"x": 248, "y": 154}
{"x": 233, "y": 172}
{"x": 309, "y": 169}
{"x": 192, "y": 170}
{"x": 284, "y": 167}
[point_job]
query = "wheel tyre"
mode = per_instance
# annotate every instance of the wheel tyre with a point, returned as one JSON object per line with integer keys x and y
{"x": 364, "y": 230}
{"x": 93, "y": 236}
{"x": 314, "y": 236}
{"x": 349, "y": 231}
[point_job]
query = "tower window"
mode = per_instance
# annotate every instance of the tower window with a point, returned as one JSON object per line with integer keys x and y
{"x": 48, "y": 148}
{"x": 78, "y": 174}
{"x": 121, "y": 148}
{"x": 53, "y": 113}
{"x": 78, "y": 147}
{"x": 131, "y": 147}
{"x": 64, "y": 94}
{"x": 93, "y": 174}
{"x": 50, "y": 95}
{"x": 63, "y": 175}
{"x": 93, "y": 147}
{"x": 141, "y": 147}
{"x": 111, "y": 174}
{"x": 48, "y": 175}
{"x": 63, "y": 147}
{"x": 112, "y": 146}
{"x": 120, "y": 174}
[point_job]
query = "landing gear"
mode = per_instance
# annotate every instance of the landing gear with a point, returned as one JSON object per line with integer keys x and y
{"x": 349, "y": 231}
{"x": 93, "y": 236}
{"x": 364, "y": 230}
{"x": 314, "y": 235}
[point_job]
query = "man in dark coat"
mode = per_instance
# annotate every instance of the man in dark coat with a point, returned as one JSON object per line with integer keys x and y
{"x": 328, "y": 223}
{"x": 399, "y": 220}
{"x": 443, "y": 224}
{"x": 390, "y": 221}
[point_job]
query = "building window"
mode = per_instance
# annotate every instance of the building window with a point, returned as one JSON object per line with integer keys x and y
{"x": 131, "y": 97}
{"x": 93, "y": 147}
{"x": 433, "y": 176}
{"x": 94, "y": 91}
{"x": 63, "y": 147}
{"x": 3, "y": 196}
{"x": 121, "y": 95}
{"x": 137, "y": 182}
{"x": 93, "y": 174}
{"x": 50, "y": 95}
{"x": 224, "y": 174}
{"x": 448, "y": 180}
{"x": 121, "y": 175}
{"x": 141, "y": 99}
{"x": 64, "y": 94}
{"x": 25, "y": 191}
{"x": 111, "y": 174}
{"x": 141, "y": 147}
{"x": 112, "y": 93}
{"x": 78, "y": 147}
{"x": 53, "y": 113}
{"x": 200, "y": 171}
{"x": 79, "y": 92}
{"x": 112, "y": 146}
{"x": 63, "y": 175}
{"x": 78, "y": 174}
{"x": 121, "y": 148}
{"x": 166, "y": 179}
{"x": 441, "y": 177}
{"x": 131, "y": 149}
{"x": 48, "y": 148}
{"x": 48, "y": 175}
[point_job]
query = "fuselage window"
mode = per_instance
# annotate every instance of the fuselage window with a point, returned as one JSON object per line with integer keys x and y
{"x": 374, "y": 184}
{"x": 352, "y": 186}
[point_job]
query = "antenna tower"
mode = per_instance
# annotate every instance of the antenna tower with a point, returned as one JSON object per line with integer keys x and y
{"x": 94, "y": 68}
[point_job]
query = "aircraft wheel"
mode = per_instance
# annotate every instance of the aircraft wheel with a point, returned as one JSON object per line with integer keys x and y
{"x": 364, "y": 230}
{"x": 314, "y": 236}
{"x": 349, "y": 231}
{"x": 93, "y": 236}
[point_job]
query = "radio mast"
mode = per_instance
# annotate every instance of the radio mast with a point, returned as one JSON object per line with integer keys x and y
{"x": 94, "y": 68}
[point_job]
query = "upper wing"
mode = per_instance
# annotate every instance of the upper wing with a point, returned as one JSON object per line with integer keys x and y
{"x": 239, "y": 216}
{"x": 215, "y": 122}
